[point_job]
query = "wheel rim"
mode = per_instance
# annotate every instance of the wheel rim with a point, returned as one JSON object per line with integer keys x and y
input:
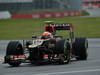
{"x": 66, "y": 52}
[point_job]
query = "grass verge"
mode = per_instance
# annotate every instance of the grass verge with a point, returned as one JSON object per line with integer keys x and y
{"x": 25, "y": 28}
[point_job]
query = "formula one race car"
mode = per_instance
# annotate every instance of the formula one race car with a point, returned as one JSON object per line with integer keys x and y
{"x": 54, "y": 49}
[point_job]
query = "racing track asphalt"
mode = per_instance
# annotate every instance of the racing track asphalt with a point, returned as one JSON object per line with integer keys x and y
{"x": 89, "y": 67}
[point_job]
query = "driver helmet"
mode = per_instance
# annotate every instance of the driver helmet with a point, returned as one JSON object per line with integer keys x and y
{"x": 47, "y": 35}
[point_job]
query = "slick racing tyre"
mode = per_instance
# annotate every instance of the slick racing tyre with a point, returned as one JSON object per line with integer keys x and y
{"x": 80, "y": 47}
{"x": 63, "y": 48}
{"x": 13, "y": 48}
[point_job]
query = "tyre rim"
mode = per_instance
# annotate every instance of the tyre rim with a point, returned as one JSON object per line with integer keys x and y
{"x": 66, "y": 51}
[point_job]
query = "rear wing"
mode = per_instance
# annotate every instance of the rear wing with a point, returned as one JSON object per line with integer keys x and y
{"x": 63, "y": 26}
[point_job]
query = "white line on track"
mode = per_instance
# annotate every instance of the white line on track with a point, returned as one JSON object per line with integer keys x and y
{"x": 71, "y": 72}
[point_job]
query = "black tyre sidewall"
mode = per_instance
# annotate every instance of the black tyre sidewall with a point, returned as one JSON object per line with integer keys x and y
{"x": 63, "y": 47}
{"x": 80, "y": 47}
{"x": 14, "y": 48}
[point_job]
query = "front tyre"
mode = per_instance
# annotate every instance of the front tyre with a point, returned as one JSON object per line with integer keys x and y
{"x": 14, "y": 64}
{"x": 14, "y": 48}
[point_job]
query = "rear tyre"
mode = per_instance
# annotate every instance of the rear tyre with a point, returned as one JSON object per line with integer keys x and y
{"x": 13, "y": 48}
{"x": 63, "y": 48}
{"x": 80, "y": 47}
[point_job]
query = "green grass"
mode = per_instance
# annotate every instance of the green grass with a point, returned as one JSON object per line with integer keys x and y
{"x": 25, "y": 28}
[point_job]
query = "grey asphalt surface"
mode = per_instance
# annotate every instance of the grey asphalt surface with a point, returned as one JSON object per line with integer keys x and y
{"x": 89, "y": 67}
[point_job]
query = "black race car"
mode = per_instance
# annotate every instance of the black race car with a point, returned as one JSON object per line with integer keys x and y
{"x": 52, "y": 50}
